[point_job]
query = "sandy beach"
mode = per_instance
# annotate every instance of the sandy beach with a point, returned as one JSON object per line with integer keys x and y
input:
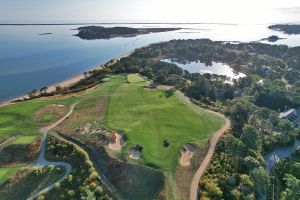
{"x": 65, "y": 83}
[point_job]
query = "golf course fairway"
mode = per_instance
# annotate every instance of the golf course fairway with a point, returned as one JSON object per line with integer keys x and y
{"x": 147, "y": 117}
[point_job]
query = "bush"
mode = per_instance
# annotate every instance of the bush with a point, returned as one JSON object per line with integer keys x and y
{"x": 93, "y": 175}
{"x": 71, "y": 193}
{"x": 41, "y": 197}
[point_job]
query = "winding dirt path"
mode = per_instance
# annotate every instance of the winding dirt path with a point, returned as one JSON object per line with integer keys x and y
{"x": 213, "y": 142}
{"x": 42, "y": 162}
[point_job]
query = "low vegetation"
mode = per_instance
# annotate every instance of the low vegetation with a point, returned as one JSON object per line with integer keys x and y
{"x": 18, "y": 153}
{"x": 7, "y": 172}
{"x": 83, "y": 182}
{"x": 28, "y": 181}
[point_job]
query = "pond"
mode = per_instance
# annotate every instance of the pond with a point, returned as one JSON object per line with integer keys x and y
{"x": 216, "y": 68}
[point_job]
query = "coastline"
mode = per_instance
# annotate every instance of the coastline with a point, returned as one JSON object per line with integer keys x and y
{"x": 65, "y": 83}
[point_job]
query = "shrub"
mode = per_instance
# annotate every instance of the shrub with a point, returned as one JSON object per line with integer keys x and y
{"x": 93, "y": 175}
{"x": 41, "y": 197}
{"x": 71, "y": 193}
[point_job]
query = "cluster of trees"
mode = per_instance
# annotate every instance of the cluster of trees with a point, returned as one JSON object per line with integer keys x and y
{"x": 238, "y": 168}
{"x": 286, "y": 178}
{"x": 254, "y": 58}
{"x": 83, "y": 182}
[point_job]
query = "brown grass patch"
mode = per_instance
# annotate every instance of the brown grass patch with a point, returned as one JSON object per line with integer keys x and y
{"x": 20, "y": 153}
{"x": 49, "y": 114}
{"x": 184, "y": 174}
{"x": 86, "y": 117}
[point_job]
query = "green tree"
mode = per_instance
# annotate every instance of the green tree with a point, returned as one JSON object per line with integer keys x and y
{"x": 212, "y": 190}
{"x": 250, "y": 137}
{"x": 292, "y": 190}
{"x": 261, "y": 181}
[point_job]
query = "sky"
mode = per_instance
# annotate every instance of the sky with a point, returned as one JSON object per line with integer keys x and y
{"x": 200, "y": 11}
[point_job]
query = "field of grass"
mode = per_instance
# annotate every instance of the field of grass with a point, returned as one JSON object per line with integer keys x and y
{"x": 18, "y": 119}
{"x": 148, "y": 117}
{"x": 25, "y": 139}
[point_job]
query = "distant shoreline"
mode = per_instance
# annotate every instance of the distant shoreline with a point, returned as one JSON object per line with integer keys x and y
{"x": 64, "y": 24}
{"x": 65, "y": 83}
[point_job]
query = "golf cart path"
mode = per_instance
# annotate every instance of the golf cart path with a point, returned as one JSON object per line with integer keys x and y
{"x": 213, "y": 143}
{"x": 42, "y": 162}
{"x": 199, "y": 173}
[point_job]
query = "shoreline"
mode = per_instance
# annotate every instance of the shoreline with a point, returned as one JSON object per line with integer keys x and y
{"x": 65, "y": 83}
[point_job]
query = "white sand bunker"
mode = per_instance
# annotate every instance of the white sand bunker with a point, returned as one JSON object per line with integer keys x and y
{"x": 186, "y": 154}
{"x": 117, "y": 142}
{"x": 134, "y": 154}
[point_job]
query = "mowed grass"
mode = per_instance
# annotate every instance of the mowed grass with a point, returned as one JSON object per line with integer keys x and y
{"x": 25, "y": 139}
{"x": 7, "y": 172}
{"x": 148, "y": 117}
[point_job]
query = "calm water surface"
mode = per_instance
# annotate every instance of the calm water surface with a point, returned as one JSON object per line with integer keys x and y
{"x": 29, "y": 60}
{"x": 215, "y": 68}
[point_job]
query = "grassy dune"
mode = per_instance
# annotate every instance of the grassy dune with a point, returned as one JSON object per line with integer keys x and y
{"x": 148, "y": 117}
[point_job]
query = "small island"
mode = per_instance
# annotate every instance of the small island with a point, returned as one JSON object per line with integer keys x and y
{"x": 286, "y": 28}
{"x": 99, "y": 32}
{"x": 272, "y": 38}
{"x": 45, "y": 33}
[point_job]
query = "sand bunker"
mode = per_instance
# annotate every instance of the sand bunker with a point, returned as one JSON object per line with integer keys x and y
{"x": 186, "y": 154}
{"x": 117, "y": 142}
{"x": 134, "y": 154}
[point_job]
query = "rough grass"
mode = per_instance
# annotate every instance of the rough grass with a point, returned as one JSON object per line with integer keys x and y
{"x": 149, "y": 116}
{"x": 21, "y": 185}
{"x": 7, "y": 172}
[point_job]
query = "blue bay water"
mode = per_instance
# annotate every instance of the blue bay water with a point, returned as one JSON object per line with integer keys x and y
{"x": 29, "y": 60}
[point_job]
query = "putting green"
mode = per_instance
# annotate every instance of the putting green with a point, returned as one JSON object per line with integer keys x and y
{"x": 148, "y": 117}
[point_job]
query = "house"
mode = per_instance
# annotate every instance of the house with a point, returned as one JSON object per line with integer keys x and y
{"x": 293, "y": 115}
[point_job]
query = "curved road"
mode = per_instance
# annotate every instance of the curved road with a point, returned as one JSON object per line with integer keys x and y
{"x": 42, "y": 162}
{"x": 213, "y": 142}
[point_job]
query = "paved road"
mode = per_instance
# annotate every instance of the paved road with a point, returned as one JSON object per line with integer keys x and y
{"x": 285, "y": 152}
{"x": 42, "y": 162}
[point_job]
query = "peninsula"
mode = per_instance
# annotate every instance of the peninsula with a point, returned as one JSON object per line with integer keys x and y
{"x": 286, "y": 28}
